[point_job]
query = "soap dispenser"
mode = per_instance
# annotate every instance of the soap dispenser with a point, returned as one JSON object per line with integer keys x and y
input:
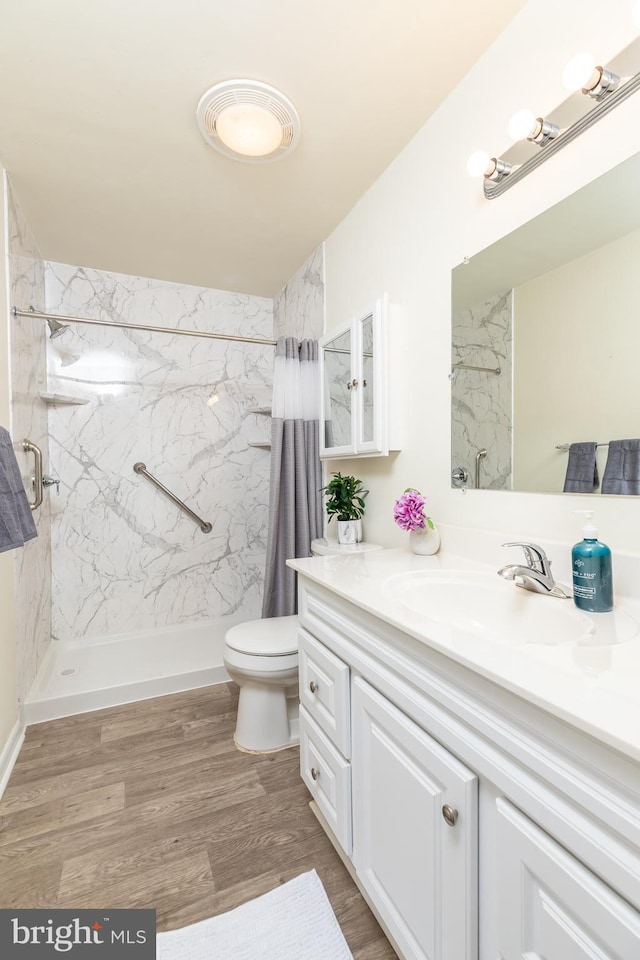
{"x": 591, "y": 569}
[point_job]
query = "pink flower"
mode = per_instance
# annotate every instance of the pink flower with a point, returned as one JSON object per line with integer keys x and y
{"x": 408, "y": 511}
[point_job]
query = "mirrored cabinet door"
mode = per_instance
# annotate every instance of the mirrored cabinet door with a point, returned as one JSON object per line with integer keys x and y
{"x": 367, "y": 439}
{"x": 336, "y": 437}
{"x": 354, "y": 388}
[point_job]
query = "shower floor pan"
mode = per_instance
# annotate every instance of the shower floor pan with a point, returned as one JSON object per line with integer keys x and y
{"x": 81, "y": 675}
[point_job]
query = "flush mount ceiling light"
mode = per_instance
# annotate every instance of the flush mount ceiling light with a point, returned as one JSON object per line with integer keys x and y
{"x": 248, "y": 120}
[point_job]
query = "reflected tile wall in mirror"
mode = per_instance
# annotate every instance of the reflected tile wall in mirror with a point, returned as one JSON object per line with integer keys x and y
{"x": 481, "y": 402}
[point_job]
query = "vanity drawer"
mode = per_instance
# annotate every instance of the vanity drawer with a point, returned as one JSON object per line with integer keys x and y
{"x": 328, "y": 777}
{"x": 324, "y": 691}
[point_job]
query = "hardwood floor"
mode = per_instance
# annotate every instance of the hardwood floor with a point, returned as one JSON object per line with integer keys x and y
{"x": 151, "y": 805}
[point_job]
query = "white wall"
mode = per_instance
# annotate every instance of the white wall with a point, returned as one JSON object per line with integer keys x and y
{"x": 578, "y": 325}
{"x": 8, "y": 680}
{"x": 425, "y": 214}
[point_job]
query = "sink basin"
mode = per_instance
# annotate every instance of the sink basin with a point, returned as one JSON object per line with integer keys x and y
{"x": 483, "y": 604}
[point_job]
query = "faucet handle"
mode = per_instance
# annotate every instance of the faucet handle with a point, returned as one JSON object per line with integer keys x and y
{"x": 534, "y": 554}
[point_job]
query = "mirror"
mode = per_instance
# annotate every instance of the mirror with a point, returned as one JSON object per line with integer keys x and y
{"x": 546, "y": 340}
{"x": 368, "y": 384}
{"x": 337, "y": 374}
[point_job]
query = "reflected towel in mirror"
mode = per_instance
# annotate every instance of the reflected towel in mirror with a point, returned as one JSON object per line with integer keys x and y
{"x": 582, "y": 470}
{"x": 622, "y": 471}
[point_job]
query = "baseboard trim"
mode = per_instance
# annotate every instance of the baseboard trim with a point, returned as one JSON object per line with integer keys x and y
{"x": 10, "y": 753}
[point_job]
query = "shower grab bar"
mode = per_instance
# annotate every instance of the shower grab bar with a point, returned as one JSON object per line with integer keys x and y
{"x": 36, "y": 478}
{"x": 480, "y": 455}
{"x": 141, "y": 468}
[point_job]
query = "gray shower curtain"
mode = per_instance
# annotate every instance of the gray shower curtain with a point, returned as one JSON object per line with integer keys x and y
{"x": 295, "y": 502}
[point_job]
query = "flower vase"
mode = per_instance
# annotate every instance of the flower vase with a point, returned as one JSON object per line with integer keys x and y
{"x": 424, "y": 541}
{"x": 349, "y": 531}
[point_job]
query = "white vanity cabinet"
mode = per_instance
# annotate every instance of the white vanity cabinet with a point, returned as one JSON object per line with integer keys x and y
{"x": 477, "y": 826}
{"x": 414, "y": 831}
{"x": 354, "y": 387}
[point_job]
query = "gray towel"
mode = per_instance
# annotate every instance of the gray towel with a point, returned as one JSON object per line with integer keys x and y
{"x": 622, "y": 472}
{"x": 582, "y": 472}
{"x": 16, "y": 519}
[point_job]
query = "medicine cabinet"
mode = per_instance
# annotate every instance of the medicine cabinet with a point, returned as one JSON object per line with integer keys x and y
{"x": 354, "y": 387}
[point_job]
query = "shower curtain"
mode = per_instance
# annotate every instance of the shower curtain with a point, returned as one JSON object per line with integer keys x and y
{"x": 295, "y": 502}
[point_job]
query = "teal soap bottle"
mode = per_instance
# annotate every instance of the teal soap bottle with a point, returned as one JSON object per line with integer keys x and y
{"x": 591, "y": 570}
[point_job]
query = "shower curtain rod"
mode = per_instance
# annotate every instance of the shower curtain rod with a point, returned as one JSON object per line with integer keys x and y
{"x": 139, "y": 326}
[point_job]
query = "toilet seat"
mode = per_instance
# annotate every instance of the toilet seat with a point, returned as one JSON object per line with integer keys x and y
{"x": 263, "y": 639}
{"x": 251, "y": 664}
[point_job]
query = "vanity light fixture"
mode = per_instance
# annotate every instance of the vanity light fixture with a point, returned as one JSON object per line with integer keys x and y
{"x": 599, "y": 84}
{"x": 524, "y": 125}
{"x": 480, "y": 164}
{"x": 581, "y": 73}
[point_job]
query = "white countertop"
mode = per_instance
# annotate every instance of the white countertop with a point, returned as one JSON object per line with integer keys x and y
{"x": 593, "y": 684}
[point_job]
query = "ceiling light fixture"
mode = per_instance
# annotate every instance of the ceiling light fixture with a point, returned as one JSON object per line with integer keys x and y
{"x": 248, "y": 120}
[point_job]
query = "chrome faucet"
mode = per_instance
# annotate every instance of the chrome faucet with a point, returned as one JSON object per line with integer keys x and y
{"x": 536, "y": 575}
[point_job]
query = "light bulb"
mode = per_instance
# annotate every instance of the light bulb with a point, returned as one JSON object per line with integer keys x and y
{"x": 249, "y": 130}
{"x": 522, "y": 124}
{"x": 578, "y": 72}
{"x": 478, "y": 163}
{"x": 212, "y": 399}
{"x": 635, "y": 14}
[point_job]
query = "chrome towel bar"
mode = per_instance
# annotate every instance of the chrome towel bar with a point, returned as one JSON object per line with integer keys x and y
{"x": 142, "y": 469}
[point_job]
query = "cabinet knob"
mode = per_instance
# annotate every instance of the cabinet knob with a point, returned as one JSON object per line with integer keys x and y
{"x": 313, "y": 686}
{"x": 352, "y": 384}
{"x": 314, "y": 773}
{"x": 450, "y": 815}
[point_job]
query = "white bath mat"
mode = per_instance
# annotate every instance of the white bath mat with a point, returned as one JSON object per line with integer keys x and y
{"x": 292, "y": 922}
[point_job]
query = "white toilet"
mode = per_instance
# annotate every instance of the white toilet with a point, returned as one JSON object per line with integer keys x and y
{"x": 262, "y": 657}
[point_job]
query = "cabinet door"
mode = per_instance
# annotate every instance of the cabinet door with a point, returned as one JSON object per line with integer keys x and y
{"x": 337, "y": 428}
{"x": 370, "y": 389}
{"x": 420, "y": 873}
{"x": 354, "y": 387}
{"x": 551, "y": 906}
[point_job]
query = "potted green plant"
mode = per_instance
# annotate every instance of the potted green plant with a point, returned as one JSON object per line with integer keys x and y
{"x": 345, "y": 502}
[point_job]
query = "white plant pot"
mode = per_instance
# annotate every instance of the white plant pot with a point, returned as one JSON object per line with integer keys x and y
{"x": 349, "y": 531}
{"x": 425, "y": 542}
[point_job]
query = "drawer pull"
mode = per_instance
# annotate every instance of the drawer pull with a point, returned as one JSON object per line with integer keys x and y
{"x": 314, "y": 773}
{"x": 450, "y": 815}
{"x": 313, "y": 686}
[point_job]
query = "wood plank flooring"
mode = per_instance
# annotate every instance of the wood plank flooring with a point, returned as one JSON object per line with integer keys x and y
{"x": 151, "y": 805}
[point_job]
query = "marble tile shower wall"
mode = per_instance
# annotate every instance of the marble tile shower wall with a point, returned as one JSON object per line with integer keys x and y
{"x": 124, "y": 558}
{"x": 481, "y": 403}
{"x": 298, "y": 310}
{"x": 29, "y": 421}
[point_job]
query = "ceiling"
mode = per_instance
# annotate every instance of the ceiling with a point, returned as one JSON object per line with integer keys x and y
{"x": 98, "y": 128}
